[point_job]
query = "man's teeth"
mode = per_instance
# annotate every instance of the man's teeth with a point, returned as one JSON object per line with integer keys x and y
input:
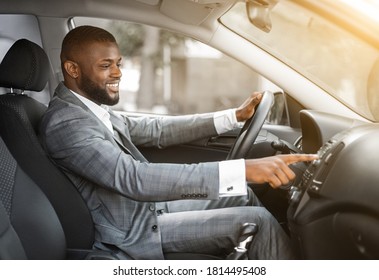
{"x": 112, "y": 85}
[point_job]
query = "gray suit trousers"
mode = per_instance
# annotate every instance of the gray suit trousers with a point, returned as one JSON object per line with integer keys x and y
{"x": 213, "y": 227}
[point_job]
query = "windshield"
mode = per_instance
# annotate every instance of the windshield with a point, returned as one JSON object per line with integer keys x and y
{"x": 330, "y": 50}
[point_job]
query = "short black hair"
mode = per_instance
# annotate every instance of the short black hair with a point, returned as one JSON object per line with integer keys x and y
{"x": 82, "y": 35}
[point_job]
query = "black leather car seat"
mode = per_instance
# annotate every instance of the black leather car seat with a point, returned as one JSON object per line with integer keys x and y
{"x": 26, "y": 67}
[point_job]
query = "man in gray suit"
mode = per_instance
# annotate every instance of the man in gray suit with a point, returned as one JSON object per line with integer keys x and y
{"x": 147, "y": 209}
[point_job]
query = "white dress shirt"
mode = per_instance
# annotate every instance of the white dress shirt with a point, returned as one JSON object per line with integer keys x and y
{"x": 231, "y": 172}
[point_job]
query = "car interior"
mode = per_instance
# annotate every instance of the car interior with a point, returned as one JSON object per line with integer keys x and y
{"x": 330, "y": 210}
{"x": 57, "y": 224}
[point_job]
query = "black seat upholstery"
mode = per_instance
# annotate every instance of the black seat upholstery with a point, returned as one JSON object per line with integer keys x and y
{"x": 29, "y": 226}
{"x": 26, "y": 67}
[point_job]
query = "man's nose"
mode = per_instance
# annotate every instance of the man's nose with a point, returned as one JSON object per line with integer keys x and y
{"x": 116, "y": 72}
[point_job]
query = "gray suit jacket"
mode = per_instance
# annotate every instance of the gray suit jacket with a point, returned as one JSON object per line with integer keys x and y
{"x": 120, "y": 191}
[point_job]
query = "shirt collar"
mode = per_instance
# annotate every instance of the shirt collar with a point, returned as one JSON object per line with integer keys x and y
{"x": 100, "y": 111}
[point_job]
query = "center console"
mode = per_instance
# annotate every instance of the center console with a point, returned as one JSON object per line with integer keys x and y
{"x": 334, "y": 209}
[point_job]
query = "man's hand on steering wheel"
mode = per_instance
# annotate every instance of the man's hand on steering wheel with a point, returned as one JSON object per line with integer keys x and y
{"x": 247, "y": 109}
{"x": 254, "y": 117}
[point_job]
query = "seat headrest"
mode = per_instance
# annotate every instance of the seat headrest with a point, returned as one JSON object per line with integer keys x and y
{"x": 25, "y": 67}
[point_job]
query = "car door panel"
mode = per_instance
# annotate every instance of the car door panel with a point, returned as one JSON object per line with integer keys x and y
{"x": 216, "y": 148}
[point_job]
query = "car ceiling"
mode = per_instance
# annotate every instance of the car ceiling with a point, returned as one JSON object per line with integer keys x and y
{"x": 192, "y": 12}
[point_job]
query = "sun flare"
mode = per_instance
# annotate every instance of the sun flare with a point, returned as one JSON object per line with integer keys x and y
{"x": 367, "y": 7}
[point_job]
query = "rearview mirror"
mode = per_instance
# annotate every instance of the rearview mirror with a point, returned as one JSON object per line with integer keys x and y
{"x": 258, "y": 12}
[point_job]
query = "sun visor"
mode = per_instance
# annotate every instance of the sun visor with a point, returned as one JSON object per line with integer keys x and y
{"x": 192, "y": 12}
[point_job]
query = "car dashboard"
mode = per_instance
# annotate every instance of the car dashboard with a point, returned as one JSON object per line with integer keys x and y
{"x": 333, "y": 210}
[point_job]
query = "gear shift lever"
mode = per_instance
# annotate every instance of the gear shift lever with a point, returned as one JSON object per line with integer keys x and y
{"x": 246, "y": 237}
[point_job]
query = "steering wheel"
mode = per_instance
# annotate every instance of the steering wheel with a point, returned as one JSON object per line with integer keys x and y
{"x": 251, "y": 128}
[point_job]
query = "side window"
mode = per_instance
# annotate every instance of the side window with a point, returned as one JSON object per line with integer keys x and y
{"x": 167, "y": 73}
{"x": 10, "y": 32}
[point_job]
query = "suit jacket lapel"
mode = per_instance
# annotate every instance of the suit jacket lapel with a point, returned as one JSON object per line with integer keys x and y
{"x": 118, "y": 125}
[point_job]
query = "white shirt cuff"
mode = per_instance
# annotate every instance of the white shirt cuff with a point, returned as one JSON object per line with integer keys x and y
{"x": 225, "y": 121}
{"x": 232, "y": 178}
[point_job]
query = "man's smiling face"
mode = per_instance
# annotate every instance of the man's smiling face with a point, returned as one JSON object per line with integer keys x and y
{"x": 100, "y": 73}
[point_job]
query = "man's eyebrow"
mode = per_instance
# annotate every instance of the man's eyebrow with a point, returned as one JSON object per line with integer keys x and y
{"x": 110, "y": 59}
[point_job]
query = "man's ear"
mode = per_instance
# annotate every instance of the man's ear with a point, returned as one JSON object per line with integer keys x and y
{"x": 72, "y": 68}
